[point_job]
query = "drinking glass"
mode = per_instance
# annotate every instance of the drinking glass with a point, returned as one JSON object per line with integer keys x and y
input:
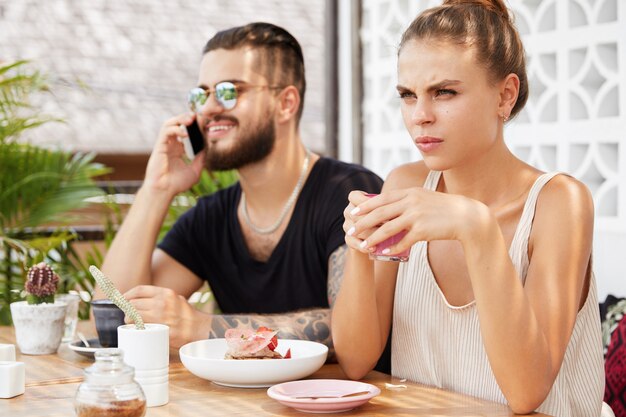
{"x": 71, "y": 315}
{"x": 378, "y": 254}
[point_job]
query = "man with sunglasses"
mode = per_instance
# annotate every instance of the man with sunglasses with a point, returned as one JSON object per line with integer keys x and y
{"x": 271, "y": 247}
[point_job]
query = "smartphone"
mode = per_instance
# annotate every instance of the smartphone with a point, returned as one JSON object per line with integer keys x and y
{"x": 196, "y": 140}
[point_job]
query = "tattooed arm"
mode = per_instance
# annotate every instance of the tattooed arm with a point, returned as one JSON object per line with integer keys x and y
{"x": 165, "y": 305}
{"x": 306, "y": 324}
{"x": 335, "y": 273}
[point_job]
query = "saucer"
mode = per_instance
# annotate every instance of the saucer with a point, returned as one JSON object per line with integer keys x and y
{"x": 80, "y": 348}
{"x": 316, "y": 389}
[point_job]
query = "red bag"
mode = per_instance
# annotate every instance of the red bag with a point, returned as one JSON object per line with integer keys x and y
{"x": 615, "y": 368}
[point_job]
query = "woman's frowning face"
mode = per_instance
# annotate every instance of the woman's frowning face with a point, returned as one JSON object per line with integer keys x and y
{"x": 448, "y": 105}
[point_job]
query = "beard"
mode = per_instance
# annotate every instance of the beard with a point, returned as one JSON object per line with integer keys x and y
{"x": 251, "y": 146}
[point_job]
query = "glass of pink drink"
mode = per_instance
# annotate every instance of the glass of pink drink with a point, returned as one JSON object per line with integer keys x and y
{"x": 397, "y": 257}
{"x": 378, "y": 254}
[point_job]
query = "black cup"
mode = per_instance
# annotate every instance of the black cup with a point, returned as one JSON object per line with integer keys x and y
{"x": 108, "y": 318}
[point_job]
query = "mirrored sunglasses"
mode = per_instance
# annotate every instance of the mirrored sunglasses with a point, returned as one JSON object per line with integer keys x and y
{"x": 226, "y": 94}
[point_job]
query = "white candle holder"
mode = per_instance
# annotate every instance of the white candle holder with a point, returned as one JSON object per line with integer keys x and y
{"x": 148, "y": 351}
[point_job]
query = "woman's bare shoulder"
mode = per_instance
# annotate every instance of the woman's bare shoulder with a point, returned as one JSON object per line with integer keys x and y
{"x": 564, "y": 191}
{"x": 564, "y": 203}
{"x": 408, "y": 175}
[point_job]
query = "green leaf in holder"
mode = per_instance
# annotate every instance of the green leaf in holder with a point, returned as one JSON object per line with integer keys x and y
{"x": 118, "y": 299}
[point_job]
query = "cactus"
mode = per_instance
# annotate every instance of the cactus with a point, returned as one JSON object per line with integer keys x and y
{"x": 41, "y": 284}
{"x": 118, "y": 299}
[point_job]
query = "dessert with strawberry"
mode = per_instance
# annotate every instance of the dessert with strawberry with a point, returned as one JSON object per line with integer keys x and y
{"x": 253, "y": 344}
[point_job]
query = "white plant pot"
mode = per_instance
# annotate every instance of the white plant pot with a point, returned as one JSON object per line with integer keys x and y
{"x": 38, "y": 327}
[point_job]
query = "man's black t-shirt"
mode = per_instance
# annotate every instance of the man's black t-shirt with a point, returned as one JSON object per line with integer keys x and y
{"x": 207, "y": 239}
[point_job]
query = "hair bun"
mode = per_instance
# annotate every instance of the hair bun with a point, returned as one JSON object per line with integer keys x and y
{"x": 497, "y": 6}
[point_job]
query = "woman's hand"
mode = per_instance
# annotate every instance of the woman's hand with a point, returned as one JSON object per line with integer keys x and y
{"x": 425, "y": 215}
{"x": 168, "y": 170}
{"x": 354, "y": 239}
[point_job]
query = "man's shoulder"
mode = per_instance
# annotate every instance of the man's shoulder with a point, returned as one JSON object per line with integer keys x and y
{"x": 336, "y": 179}
{"x": 337, "y": 170}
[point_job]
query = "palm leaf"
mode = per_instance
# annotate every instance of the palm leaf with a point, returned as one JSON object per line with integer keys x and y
{"x": 16, "y": 87}
{"x": 12, "y": 254}
{"x": 39, "y": 186}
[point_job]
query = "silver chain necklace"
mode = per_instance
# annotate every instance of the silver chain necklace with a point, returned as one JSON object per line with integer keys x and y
{"x": 292, "y": 199}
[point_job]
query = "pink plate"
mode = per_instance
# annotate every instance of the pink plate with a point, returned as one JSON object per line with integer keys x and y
{"x": 287, "y": 392}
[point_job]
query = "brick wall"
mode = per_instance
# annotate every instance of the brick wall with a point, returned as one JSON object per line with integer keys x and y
{"x": 121, "y": 68}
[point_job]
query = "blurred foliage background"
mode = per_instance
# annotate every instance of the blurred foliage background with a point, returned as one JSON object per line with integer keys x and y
{"x": 42, "y": 191}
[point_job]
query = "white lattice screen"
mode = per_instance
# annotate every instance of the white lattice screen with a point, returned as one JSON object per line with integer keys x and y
{"x": 575, "y": 120}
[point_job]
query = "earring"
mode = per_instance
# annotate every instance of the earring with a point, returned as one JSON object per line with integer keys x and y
{"x": 505, "y": 118}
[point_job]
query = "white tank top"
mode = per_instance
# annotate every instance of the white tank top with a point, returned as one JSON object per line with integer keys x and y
{"x": 437, "y": 344}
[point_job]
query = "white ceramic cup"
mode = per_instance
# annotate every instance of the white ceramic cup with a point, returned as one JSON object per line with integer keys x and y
{"x": 148, "y": 351}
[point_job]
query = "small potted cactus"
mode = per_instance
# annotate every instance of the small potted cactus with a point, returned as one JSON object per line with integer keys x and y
{"x": 39, "y": 321}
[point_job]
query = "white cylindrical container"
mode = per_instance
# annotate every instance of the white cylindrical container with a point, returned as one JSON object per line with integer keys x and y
{"x": 148, "y": 351}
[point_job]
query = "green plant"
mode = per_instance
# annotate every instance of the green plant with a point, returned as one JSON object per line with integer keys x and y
{"x": 16, "y": 88}
{"x": 38, "y": 187}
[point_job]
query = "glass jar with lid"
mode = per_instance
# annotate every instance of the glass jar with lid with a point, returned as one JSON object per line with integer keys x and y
{"x": 109, "y": 388}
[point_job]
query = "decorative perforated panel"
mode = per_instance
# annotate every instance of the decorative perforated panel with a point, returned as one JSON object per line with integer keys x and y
{"x": 575, "y": 119}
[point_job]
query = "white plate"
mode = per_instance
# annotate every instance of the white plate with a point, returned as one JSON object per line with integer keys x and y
{"x": 291, "y": 393}
{"x": 205, "y": 358}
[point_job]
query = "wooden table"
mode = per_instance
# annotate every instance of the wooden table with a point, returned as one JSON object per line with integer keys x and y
{"x": 52, "y": 380}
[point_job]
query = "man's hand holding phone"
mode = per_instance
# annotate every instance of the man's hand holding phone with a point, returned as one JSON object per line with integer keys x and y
{"x": 196, "y": 139}
{"x": 168, "y": 170}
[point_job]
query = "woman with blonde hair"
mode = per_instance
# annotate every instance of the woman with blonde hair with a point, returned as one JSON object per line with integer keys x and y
{"x": 498, "y": 298}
